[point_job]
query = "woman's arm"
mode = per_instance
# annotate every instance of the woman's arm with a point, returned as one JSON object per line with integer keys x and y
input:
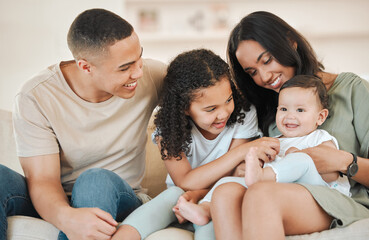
{"x": 329, "y": 160}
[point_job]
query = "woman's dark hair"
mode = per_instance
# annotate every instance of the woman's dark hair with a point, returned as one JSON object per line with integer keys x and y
{"x": 187, "y": 73}
{"x": 308, "y": 81}
{"x": 278, "y": 38}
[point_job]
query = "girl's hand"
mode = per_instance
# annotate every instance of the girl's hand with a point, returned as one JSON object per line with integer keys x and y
{"x": 266, "y": 148}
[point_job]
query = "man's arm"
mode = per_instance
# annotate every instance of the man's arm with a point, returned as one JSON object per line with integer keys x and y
{"x": 49, "y": 199}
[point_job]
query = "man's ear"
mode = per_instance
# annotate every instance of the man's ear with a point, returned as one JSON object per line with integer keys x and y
{"x": 323, "y": 114}
{"x": 84, "y": 65}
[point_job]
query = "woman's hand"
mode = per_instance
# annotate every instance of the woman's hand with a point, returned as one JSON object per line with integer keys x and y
{"x": 328, "y": 159}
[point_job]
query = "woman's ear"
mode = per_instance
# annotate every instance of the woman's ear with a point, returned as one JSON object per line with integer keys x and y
{"x": 323, "y": 114}
{"x": 294, "y": 45}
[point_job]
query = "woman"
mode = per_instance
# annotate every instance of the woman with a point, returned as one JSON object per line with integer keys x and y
{"x": 263, "y": 53}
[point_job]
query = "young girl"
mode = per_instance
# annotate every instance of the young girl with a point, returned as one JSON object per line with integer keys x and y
{"x": 204, "y": 128}
{"x": 302, "y": 107}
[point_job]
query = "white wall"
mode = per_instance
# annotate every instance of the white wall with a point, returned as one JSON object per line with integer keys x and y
{"x": 33, "y": 32}
{"x": 33, "y": 36}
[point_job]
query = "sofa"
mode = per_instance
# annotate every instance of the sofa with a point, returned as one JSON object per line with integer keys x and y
{"x": 27, "y": 228}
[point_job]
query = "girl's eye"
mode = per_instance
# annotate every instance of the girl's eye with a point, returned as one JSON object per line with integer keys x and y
{"x": 210, "y": 110}
{"x": 124, "y": 69}
{"x": 283, "y": 109}
{"x": 229, "y": 99}
{"x": 300, "y": 110}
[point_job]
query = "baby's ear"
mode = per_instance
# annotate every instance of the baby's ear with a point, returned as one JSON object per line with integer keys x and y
{"x": 323, "y": 114}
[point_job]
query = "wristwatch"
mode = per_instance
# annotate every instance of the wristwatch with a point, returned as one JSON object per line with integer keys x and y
{"x": 353, "y": 167}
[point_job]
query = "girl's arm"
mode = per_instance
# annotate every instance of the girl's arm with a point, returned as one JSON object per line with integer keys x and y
{"x": 204, "y": 176}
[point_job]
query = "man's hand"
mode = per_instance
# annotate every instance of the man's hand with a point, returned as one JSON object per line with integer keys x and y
{"x": 89, "y": 223}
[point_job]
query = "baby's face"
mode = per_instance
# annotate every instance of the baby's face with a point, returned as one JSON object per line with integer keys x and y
{"x": 299, "y": 112}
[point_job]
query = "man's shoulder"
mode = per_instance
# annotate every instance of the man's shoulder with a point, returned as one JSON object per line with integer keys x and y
{"x": 40, "y": 78}
{"x": 154, "y": 68}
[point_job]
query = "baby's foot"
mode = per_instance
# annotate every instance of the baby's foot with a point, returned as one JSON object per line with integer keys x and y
{"x": 197, "y": 214}
{"x": 253, "y": 171}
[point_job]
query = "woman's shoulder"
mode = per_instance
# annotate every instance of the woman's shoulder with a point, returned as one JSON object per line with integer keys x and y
{"x": 348, "y": 81}
{"x": 349, "y": 78}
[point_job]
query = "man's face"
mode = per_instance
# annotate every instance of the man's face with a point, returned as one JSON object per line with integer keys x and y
{"x": 117, "y": 72}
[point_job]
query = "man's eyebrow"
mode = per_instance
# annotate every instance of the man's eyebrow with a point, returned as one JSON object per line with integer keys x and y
{"x": 130, "y": 63}
{"x": 257, "y": 60}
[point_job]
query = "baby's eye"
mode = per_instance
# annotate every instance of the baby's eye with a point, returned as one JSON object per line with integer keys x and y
{"x": 283, "y": 109}
{"x": 300, "y": 110}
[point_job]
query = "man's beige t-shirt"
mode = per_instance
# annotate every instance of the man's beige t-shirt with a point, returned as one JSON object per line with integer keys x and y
{"x": 50, "y": 118}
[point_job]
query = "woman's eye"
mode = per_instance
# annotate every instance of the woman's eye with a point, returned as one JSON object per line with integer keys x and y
{"x": 251, "y": 73}
{"x": 210, "y": 110}
{"x": 268, "y": 60}
{"x": 230, "y": 99}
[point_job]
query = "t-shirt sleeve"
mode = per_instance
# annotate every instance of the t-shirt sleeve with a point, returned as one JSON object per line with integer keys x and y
{"x": 320, "y": 136}
{"x": 249, "y": 128}
{"x": 360, "y": 100}
{"x": 157, "y": 71}
{"x": 33, "y": 133}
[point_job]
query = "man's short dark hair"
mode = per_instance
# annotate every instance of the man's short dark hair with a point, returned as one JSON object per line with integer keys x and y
{"x": 94, "y": 30}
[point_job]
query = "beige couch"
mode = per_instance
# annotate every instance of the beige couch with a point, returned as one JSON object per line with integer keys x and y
{"x": 27, "y": 228}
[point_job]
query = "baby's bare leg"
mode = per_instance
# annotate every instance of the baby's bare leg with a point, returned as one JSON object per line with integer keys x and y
{"x": 254, "y": 172}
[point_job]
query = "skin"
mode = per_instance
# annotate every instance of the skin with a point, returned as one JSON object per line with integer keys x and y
{"x": 293, "y": 209}
{"x": 94, "y": 83}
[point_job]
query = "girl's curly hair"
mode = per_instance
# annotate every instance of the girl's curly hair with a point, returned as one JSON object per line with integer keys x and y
{"x": 187, "y": 73}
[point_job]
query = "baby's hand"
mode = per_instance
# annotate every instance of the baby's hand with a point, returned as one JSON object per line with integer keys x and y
{"x": 292, "y": 150}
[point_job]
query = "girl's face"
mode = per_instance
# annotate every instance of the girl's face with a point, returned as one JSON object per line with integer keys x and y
{"x": 299, "y": 112}
{"x": 264, "y": 69}
{"x": 211, "y": 108}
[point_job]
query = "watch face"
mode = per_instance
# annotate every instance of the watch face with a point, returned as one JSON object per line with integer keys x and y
{"x": 353, "y": 168}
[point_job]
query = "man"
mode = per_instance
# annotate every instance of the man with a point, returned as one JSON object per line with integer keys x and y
{"x": 80, "y": 129}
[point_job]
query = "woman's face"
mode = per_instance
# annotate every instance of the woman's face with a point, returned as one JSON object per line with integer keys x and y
{"x": 264, "y": 69}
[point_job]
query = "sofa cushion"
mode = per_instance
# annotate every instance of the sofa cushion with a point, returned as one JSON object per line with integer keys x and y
{"x": 27, "y": 228}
